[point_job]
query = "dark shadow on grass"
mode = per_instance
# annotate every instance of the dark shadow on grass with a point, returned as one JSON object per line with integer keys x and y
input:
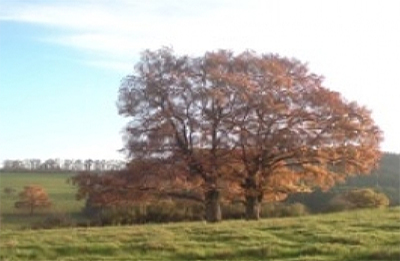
{"x": 384, "y": 254}
{"x": 70, "y": 251}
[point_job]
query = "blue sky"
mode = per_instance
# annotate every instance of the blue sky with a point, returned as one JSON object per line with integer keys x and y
{"x": 61, "y": 62}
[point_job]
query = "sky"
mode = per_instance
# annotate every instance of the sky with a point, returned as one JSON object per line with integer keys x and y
{"x": 62, "y": 62}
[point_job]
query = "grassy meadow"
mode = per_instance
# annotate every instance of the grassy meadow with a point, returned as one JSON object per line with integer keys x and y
{"x": 372, "y": 234}
{"x": 356, "y": 235}
{"x": 61, "y": 194}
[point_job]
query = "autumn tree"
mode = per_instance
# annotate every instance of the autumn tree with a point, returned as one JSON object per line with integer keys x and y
{"x": 33, "y": 197}
{"x": 257, "y": 126}
{"x": 119, "y": 188}
{"x": 178, "y": 108}
{"x": 292, "y": 133}
{"x": 142, "y": 183}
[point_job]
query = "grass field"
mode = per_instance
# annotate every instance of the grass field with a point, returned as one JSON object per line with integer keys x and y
{"x": 357, "y": 235}
{"x": 61, "y": 193}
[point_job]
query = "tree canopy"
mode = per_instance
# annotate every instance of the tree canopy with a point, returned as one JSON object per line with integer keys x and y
{"x": 251, "y": 126}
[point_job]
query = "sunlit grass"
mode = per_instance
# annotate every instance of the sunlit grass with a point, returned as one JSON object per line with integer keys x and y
{"x": 61, "y": 194}
{"x": 357, "y": 235}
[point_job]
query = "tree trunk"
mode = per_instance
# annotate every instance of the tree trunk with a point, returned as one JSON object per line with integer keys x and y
{"x": 253, "y": 198}
{"x": 213, "y": 207}
{"x": 253, "y": 207}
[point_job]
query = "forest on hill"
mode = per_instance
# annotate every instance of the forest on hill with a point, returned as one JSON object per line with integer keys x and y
{"x": 385, "y": 179}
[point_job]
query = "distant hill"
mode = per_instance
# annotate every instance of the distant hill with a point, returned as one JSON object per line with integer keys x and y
{"x": 385, "y": 179}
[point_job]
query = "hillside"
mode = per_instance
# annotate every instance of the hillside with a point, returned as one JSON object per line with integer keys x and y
{"x": 386, "y": 179}
{"x": 358, "y": 235}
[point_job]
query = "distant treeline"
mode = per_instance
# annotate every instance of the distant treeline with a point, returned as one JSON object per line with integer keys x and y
{"x": 58, "y": 165}
{"x": 385, "y": 179}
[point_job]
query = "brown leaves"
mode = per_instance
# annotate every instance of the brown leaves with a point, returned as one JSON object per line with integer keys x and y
{"x": 261, "y": 115}
{"x": 33, "y": 197}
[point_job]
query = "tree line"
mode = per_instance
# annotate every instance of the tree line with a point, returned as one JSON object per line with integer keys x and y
{"x": 66, "y": 165}
{"x": 225, "y": 127}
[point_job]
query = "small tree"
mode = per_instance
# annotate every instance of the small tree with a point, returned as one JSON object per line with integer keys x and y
{"x": 33, "y": 196}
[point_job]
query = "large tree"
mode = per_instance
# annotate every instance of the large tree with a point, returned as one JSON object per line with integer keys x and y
{"x": 292, "y": 133}
{"x": 260, "y": 126}
{"x": 179, "y": 107}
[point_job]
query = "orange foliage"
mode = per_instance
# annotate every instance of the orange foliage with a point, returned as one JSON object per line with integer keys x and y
{"x": 250, "y": 125}
{"x": 33, "y": 197}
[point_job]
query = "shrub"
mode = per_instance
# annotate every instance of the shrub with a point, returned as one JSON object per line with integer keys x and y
{"x": 284, "y": 210}
{"x": 295, "y": 210}
{"x": 163, "y": 211}
{"x": 270, "y": 210}
{"x": 169, "y": 211}
{"x": 358, "y": 198}
{"x": 339, "y": 203}
{"x": 58, "y": 220}
{"x": 116, "y": 216}
{"x": 233, "y": 211}
{"x": 9, "y": 191}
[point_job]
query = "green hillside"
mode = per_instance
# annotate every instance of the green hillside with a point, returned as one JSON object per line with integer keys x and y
{"x": 61, "y": 194}
{"x": 357, "y": 235}
{"x": 386, "y": 179}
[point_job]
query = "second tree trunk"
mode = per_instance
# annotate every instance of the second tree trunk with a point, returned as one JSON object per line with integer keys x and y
{"x": 212, "y": 206}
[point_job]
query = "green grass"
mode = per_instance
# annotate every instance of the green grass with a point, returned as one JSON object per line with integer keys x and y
{"x": 358, "y": 235}
{"x": 61, "y": 193}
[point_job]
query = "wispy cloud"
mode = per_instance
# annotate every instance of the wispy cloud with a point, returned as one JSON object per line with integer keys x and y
{"x": 353, "y": 43}
{"x": 121, "y": 28}
{"x": 124, "y": 27}
{"x": 124, "y": 67}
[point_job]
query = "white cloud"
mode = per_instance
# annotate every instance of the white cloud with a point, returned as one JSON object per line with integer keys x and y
{"x": 353, "y": 43}
{"x": 122, "y": 67}
{"x": 124, "y": 28}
